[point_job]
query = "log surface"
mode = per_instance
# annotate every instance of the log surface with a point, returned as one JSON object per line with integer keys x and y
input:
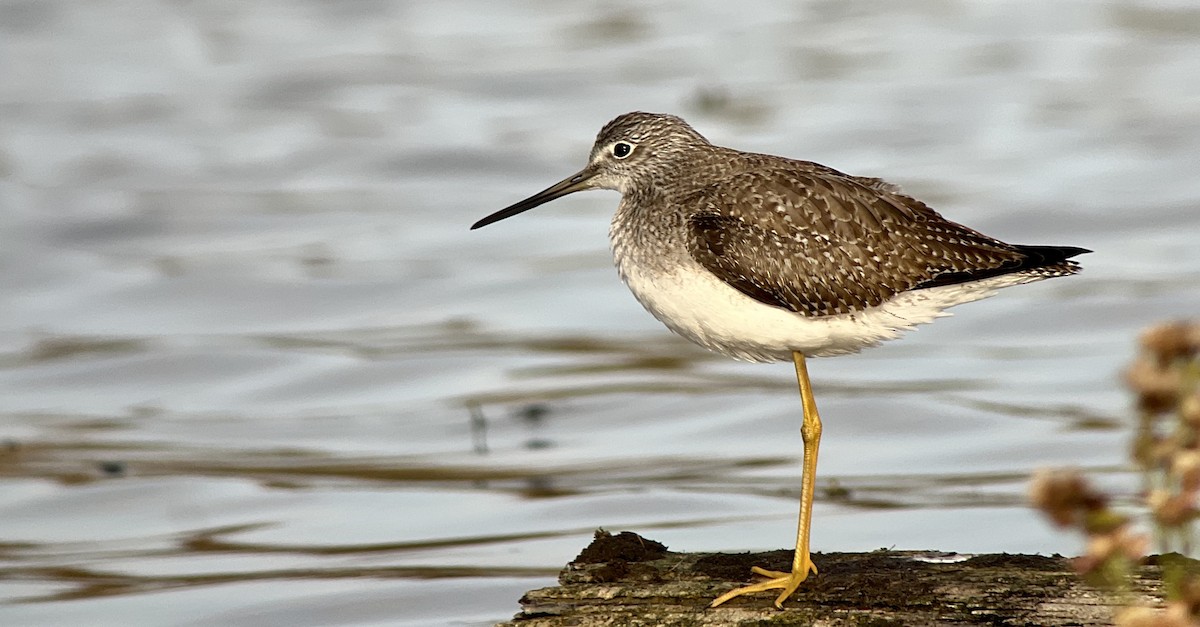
{"x": 628, "y": 581}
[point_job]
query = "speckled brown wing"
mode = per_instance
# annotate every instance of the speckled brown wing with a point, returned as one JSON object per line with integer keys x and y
{"x": 821, "y": 243}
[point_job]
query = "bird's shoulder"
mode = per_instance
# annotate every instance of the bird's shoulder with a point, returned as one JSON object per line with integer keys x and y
{"x": 783, "y": 195}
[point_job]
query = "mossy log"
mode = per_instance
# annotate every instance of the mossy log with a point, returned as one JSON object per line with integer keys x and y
{"x": 628, "y": 581}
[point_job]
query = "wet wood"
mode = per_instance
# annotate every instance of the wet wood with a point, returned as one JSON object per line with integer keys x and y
{"x": 628, "y": 581}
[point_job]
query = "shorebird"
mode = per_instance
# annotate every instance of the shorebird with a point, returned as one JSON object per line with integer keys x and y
{"x": 765, "y": 258}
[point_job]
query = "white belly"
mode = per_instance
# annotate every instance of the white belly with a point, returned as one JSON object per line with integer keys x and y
{"x": 697, "y": 305}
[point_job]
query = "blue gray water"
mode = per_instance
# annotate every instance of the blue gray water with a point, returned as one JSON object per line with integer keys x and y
{"x": 245, "y": 333}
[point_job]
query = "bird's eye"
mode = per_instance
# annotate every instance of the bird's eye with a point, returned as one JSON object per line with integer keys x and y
{"x": 621, "y": 150}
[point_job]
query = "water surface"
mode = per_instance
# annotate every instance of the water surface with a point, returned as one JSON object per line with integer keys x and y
{"x": 255, "y": 370}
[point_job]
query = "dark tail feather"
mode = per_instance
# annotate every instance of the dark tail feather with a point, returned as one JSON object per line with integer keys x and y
{"x": 1044, "y": 261}
{"x": 1037, "y": 256}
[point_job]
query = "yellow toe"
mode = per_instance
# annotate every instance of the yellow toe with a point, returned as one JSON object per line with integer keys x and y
{"x": 776, "y": 580}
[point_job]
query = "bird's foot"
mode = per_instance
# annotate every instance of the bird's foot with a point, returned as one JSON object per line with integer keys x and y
{"x": 788, "y": 582}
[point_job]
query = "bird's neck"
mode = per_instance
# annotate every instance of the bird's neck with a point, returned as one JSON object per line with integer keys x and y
{"x": 647, "y": 229}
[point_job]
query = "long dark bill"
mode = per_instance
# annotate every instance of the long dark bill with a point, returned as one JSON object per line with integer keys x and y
{"x": 574, "y": 183}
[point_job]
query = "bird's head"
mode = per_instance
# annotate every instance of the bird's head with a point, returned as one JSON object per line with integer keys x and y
{"x": 634, "y": 150}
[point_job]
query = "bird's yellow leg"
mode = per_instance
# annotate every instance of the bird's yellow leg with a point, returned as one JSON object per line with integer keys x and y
{"x": 802, "y": 564}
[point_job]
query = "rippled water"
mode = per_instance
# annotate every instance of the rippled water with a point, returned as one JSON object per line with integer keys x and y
{"x": 255, "y": 370}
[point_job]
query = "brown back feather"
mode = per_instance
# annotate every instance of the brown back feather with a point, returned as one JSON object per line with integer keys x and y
{"x": 820, "y": 243}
